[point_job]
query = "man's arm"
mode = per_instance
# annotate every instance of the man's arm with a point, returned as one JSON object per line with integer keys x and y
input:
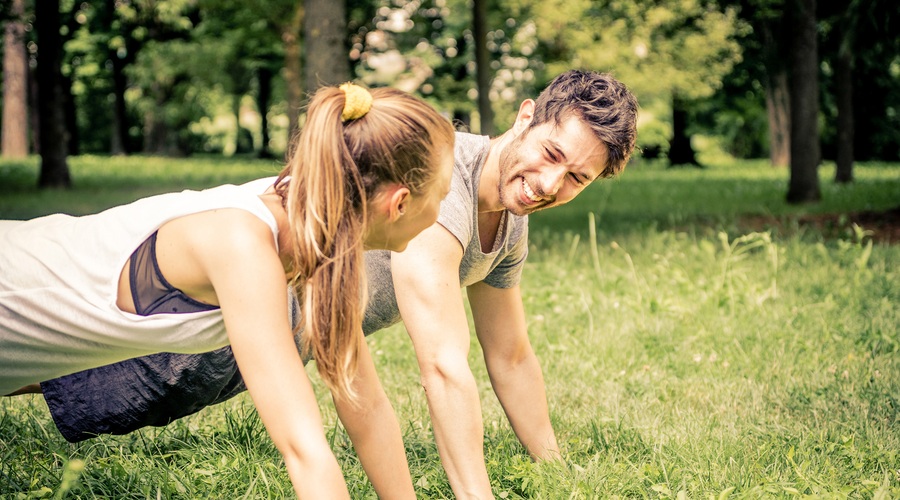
{"x": 513, "y": 367}
{"x": 375, "y": 432}
{"x": 426, "y": 282}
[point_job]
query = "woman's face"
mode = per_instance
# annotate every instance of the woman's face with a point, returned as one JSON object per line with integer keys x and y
{"x": 420, "y": 210}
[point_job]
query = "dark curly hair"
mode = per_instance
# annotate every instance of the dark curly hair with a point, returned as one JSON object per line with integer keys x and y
{"x": 603, "y": 102}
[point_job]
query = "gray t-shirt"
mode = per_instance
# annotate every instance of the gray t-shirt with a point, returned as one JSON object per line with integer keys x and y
{"x": 500, "y": 268}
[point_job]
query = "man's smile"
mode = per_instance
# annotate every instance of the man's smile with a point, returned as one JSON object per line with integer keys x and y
{"x": 529, "y": 193}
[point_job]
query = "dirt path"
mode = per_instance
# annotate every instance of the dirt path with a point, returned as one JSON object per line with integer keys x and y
{"x": 884, "y": 225}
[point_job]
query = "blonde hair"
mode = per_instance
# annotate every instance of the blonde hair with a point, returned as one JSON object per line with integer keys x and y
{"x": 334, "y": 168}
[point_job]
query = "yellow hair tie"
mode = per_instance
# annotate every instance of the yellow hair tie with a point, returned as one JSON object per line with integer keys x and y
{"x": 357, "y": 101}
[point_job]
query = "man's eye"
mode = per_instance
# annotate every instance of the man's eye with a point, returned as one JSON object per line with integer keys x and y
{"x": 578, "y": 180}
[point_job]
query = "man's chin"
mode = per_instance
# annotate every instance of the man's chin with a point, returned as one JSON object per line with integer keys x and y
{"x": 522, "y": 211}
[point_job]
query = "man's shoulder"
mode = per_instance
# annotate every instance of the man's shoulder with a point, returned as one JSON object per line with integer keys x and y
{"x": 470, "y": 151}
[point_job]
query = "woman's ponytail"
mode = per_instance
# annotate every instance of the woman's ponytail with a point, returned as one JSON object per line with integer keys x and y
{"x": 353, "y": 141}
{"x": 326, "y": 206}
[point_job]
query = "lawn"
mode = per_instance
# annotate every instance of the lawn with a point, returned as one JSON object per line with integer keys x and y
{"x": 699, "y": 339}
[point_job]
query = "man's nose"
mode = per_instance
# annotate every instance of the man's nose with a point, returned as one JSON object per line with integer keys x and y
{"x": 552, "y": 179}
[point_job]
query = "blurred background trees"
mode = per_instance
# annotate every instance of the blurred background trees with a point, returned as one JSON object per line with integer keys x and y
{"x": 181, "y": 77}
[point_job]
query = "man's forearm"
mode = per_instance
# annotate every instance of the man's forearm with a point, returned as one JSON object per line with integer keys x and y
{"x": 459, "y": 431}
{"x": 520, "y": 388}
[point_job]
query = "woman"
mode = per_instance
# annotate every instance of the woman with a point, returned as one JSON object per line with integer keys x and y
{"x": 192, "y": 271}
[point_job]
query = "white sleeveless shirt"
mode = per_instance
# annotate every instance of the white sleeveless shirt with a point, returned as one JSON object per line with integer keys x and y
{"x": 59, "y": 281}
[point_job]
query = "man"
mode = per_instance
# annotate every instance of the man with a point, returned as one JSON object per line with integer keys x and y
{"x": 581, "y": 128}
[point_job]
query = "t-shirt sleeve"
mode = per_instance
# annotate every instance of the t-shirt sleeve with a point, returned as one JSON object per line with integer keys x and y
{"x": 456, "y": 211}
{"x": 508, "y": 273}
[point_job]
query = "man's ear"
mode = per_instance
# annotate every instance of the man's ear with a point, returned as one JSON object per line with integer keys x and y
{"x": 524, "y": 116}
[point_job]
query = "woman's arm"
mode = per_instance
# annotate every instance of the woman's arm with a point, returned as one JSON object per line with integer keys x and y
{"x": 375, "y": 432}
{"x": 238, "y": 254}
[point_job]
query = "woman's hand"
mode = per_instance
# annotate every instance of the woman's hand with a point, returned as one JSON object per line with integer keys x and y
{"x": 375, "y": 432}
{"x": 243, "y": 267}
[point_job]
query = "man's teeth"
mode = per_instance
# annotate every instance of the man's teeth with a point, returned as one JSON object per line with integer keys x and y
{"x": 528, "y": 192}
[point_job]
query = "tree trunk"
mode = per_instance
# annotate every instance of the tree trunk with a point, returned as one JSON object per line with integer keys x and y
{"x": 157, "y": 138}
{"x": 293, "y": 81}
{"x": 805, "y": 153}
{"x": 15, "y": 85}
{"x": 483, "y": 67}
{"x": 54, "y": 168}
{"x": 778, "y": 106}
{"x": 325, "y": 35}
{"x": 680, "y": 150}
{"x": 69, "y": 111}
{"x": 34, "y": 118}
{"x": 239, "y": 143}
{"x": 263, "y": 96}
{"x": 774, "y": 38}
{"x": 118, "y": 61}
{"x": 118, "y": 143}
{"x": 843, "y": 75}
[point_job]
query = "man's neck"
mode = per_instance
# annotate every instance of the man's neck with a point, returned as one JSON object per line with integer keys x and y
{"x": 490, "y": 210}
{"x": 489, "y": 184}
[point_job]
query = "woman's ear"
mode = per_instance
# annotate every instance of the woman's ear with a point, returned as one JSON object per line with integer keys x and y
{"x": 393, "y": 201}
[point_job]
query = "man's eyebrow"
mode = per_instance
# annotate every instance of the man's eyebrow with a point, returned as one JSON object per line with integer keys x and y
{"x": 556, "y": 148}
{"x": 562, "y": 154}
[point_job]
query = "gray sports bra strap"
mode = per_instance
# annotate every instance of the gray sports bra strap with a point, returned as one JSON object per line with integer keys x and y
{"x": 151, "y": 292}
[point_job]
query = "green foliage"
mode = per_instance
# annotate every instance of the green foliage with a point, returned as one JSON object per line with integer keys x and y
{"x": 682, "y": 47}
{"x": 685, "y": 355}
{"x": 427, "y": 47}
{"x": 191, "y": 64}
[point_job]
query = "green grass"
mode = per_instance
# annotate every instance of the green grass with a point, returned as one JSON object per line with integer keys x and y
{"x": 684, "y": 357}
{"x": 103, "y": 182}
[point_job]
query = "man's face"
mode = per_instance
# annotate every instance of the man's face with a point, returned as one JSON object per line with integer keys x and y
{"x": 548, "y": 165}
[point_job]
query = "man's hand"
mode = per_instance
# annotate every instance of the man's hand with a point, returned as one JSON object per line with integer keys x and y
{"x": 426, "y": 282}
{"x": 513, "y": 367}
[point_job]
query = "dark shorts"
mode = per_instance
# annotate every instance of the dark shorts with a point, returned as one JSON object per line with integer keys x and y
{"x": 150, "y": 390}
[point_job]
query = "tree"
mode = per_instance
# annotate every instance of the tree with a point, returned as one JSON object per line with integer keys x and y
{"x": 876, "y": 94}
{"x": 15, "y": 85}
{"x": 53, "y": 136}
{"x": 843, "y": 76}
{"x": 429, "y": 47}
{"x": 858, "y": 47}
{"x": 838, "y": 24}
{"x": 325, "y": 35}
{"x": 163, "y": 70}
{"x": 674, "y": 51}
{"x": 482, "y": 66}
{"x": 70, "y": 25}
{"x": 120, "y": 50}
{"x": 680, "y": 150}
{"x": 770, "y": 31}
{"x": 778, "y": 102}
{"x": 764, "y": 48}
{"x": 263, "y": 97}
{"x": 290, "y": 31}
{"x": 805, "y": 154}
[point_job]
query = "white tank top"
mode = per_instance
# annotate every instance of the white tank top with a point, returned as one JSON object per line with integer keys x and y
{"x": 59, "y": 281}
